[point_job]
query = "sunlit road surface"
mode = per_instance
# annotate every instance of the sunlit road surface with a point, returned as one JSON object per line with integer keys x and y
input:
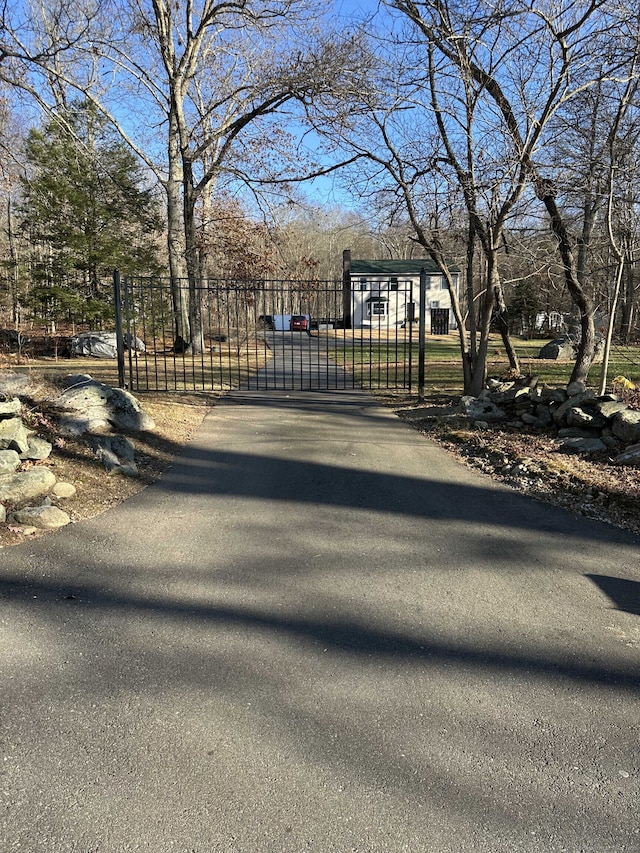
{"x": 300, "y": 361}
{"x": 318, "y": 633}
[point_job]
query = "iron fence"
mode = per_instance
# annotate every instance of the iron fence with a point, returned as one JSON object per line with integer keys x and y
{"x": 263, "y": 335}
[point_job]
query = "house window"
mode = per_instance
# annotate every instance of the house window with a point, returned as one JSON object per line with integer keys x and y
{"x": 443, "y": 283}
{"x": 363, "y": 284}
{"x": 377, "y": 308}
{"x": 435, "y": 304}
{"x": 393, "y": 284}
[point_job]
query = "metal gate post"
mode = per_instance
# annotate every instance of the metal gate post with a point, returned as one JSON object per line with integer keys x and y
{"x": 422, "y": 326}
{"x": 117, "y": 295}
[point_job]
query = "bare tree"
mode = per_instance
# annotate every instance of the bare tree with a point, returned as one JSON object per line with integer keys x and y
{"x": 618, "y": 153}
{"x": 204, "y": 75}
{"x": 547, "y": 57}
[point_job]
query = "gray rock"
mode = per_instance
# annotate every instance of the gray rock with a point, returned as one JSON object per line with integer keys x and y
{"x": 127, "y": 413}
{"x": 575, "y": 432}
{"x": 9, "y": 461}
{"x": 97, "y": 406}
{"x": 611, "y": 442}
{"x": 626, "y": 426}
{"x": 481, "y": 410}
{"x": 103, "y": 344}
{"x": 608, "y": 408}
{"x": 512, "y": 395}
{"x": 42, "y": 517}
{"x": 14, "y": 435}
{"x": 544, "y": 418}
{"x": 570, "y": 403}
{"x": 83, "y": 394}
{"x": 117, "y": 454}
{"x": 95, "y": 422}
{"x": 591, "y": 418}
{"x": 560, "y": 349}
{"x": 499, "y": 384}
{"x": 3, "y": 514}
{"x": 630, "y": 456}
{"x": 64, "y": 490}
{"x": 582, "y": 445}
{"x": 39, "y": 449}
{"x": 548, "y": 395}
{"x": 10, "y": 407}
{"x": 26, "y": 485}
{"x": 529, "y": 418}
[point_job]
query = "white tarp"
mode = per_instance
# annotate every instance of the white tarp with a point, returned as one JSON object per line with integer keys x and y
{"x": 102, "y": 344}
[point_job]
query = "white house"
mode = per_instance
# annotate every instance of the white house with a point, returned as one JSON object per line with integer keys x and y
{"x": 387, "y": 293}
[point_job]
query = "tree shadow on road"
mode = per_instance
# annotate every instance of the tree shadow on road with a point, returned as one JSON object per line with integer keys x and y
{"x": 625, "y": 594}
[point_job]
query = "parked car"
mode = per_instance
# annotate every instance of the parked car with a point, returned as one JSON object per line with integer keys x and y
{"x": 299, "y": 323}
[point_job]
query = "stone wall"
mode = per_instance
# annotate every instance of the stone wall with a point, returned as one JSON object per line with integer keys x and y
{"x": 30, "y": 495}
{"x": 580, "y": 420}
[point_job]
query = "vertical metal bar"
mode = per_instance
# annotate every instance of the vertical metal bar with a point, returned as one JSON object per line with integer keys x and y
{"x": 422, "y": 332}
{"x": 409, "y": 349}
{"x": 127, "y": 312}
{"x": 117, "y": 296}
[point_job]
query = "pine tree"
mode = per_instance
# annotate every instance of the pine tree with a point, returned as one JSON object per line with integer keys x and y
{"x": 87, "y": 211}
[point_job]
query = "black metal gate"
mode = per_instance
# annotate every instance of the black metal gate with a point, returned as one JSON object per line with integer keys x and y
{"x": 264, "y": 335}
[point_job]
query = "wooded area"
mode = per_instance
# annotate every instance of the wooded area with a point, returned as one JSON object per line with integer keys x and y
{"x": 201, "y": 139}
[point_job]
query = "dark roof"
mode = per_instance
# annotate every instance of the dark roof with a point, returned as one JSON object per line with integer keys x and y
{"x": 386, "y": 267}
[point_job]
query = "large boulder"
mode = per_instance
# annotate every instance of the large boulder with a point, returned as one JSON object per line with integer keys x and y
{"x": 96, "y": 407}
{"x": 559, "y": 349}
{"x": 477, "y": 409}
{"x": 26, "y": 485}
{"x": 103, "y": 344}
{"x": 626, "y": 426}
{"x": 14, "y": 435}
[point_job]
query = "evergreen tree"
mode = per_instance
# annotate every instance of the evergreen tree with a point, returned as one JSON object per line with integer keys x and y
{"x": 524, "y": 307}
{"x": 87, "y": 211}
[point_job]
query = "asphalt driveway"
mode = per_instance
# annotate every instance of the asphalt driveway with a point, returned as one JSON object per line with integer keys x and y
{"x": 319, "y": 633}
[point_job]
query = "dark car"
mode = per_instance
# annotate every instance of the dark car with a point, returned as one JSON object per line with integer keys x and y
{"x": 299, "y": 323}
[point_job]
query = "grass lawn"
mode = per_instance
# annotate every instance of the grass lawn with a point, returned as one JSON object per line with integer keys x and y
{"x": 375, "y": 362}
{"x": 443, "y": 365}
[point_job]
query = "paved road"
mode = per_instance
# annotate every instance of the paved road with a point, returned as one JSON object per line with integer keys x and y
{"x": 318, "y": 633}
{"x": 300, "y": 361}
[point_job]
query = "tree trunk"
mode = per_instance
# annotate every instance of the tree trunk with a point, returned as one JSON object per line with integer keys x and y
{"x": 587, "y": 344}
{"x": 628, "y": 304}
{"x": 479, "y": 363}
{"x": 495, "y": 287}
{"x": 175, "y": 243}
{"x": 193, "y": 266}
